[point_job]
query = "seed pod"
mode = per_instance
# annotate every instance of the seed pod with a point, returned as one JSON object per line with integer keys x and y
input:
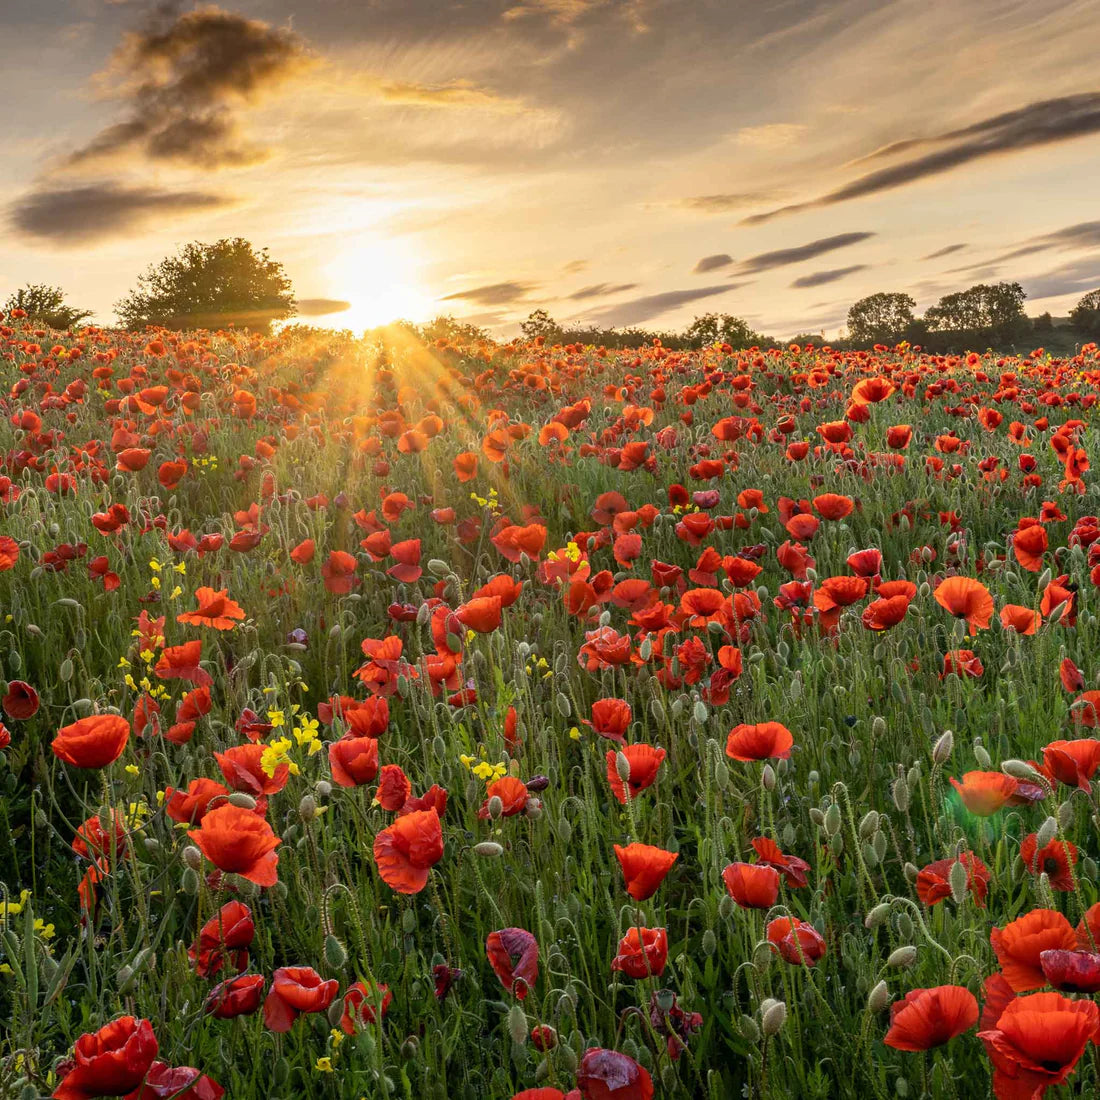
{"x": 832, "y": 820}
{"x": 902, "y": 957}
{"x": 191, "y": 857}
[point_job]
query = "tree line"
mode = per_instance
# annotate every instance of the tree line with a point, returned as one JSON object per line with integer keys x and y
{"x": 229, "y": 282}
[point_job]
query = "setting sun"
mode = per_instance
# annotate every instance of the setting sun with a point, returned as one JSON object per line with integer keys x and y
{"x": 378, "y": 276}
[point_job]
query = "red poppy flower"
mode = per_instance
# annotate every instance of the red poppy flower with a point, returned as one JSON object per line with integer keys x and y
{"x": 338, "y": 572}
{"x": 1020, "y": 619}
{"x": 223, "y": 940}
{"x": 406, "y": 567}
{"x": 927, "y": 1018}
{"x": 608, "y": 1075}
{"x": 791, "y": 868}
{"x": 215, "y": 610}
{"x": 1037, "y": 1042}
{"x": 240, "y": 996}
{"x": 1056, "y": 860}
{"x": 92, "y": 742}
{"x": 833, "y": 506}
{"x": 984, "y": 793}
{"x": 512, "y": 793}
{"x": 406, "y": 851}
{"x": 884, "y": 613}
{"x": 353, "y": 761}
{"x": 242, "y": 767}
{"x": 611, "y": 718}
{"x": 482, "y": 614}
{"x": 934, "y": 880}
{"x": 364, "y": 1004}
{"x": 1071, "y": 971}
{"x": 1073, "y": 762}
{"x": 109, "y": 1062}
{"x": 240, "y": 842}
{"x": 296, "y": 990}
{"x": 644, "y": 868}
{"x": 165, "y": 1082}
{"x": 20, "y": 700}
{"x": 797, "y": 942}
{"x": 752, "y": 885}
{"x": 962, "y": 662}
{"x": 763, "y": 741}
{"x": 968, "y": 599}
{"x": 393, "y": 788}
{"x": 9, "y": 553}
{"x": 643, "y": 762}
{"x": 513, "y": 953}
{"x": 642, "y": 953}
{"x": 191, "y": 805}
{"x": 1020, "y": 943}
{"x": 181, "y": 662}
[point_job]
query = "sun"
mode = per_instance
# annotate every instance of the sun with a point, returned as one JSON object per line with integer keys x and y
{"x": 379, "y": 276}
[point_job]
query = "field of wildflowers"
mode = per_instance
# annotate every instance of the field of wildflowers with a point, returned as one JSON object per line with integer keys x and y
{"x": 383, "y": 720}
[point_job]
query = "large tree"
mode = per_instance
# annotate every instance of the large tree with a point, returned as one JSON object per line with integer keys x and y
{"x": 46, "y": 305}
{"x": 1085, "y": 316}
{"x": 996, "y": 308}
{"x": 882, "y": 318}
{"x": 210, "y": 286}
{"x": 720, "y": 328}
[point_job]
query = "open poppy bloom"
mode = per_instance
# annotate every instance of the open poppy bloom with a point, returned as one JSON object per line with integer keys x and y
{"x": 611, "y": 718}
{"x": 364, "y": 1004}
{"x": 791, "y": 868}
{"x": 927, "y": 1018}
{"x": 20, "y": 701}
{"x": 215, "y": 610}
{"x": 353, "y": 761}
{"x": 223, "y": 940}
{"x": 609, "y": 1075}
{"x": 1073, "y": 763}
{"x": 296, "y": 990}
{"x": 752, "y": 885}
{"x": 92, "y": 742}
{"x": 797, "y": 942}
{"x": 513, "y": 953}
{"x": 239, "y": 996}
{"x": 763, "y": 741}
{"x": 643, "y": 763}
{"x": 1055, "y": 860}
{"x": 967, "y": 599}
{"x": 642, "y": 953}
{"x": 1019, "y": 945}
{"x": 644, "y": 868}
{"x": 1037, "y": 1042}
{"x": 109, "y": 1062}
{"x": 984, "y": 793}
{"x": 240, "y": 842}
{"x": 406, "y": 851}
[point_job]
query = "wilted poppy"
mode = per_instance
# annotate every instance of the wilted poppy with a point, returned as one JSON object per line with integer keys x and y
{"x": 513, "y": 953}
{"x": 608, "y": 1075}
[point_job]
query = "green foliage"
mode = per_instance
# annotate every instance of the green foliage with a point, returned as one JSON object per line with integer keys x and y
{"x": 46, "y": 305}
{"x": 883, "y": 318}
{"x": 1085, "y": 316}
{"x": 210, "y": 286}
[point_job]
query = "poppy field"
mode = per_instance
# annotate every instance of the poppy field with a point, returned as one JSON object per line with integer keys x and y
{"x": 383, "y": 719}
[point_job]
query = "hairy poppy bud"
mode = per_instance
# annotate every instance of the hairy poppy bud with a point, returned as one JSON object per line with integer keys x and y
{"x": 517, "y": 1024}
{"x": 721, "y": 774}
{"x": 495, "y": 807}
{"x": 832, "y": 820}
{"x": 189, "y": 881}
{"x": 710, "y": 942}
{"x": 1020, "y": 769}
{"x": 1065, "y": 814}
{"x": 307, "y": 808}
{"x": 622, "y": 766}
{"x": 767, "y": 778}
{"x": 817, "y": 816}
{"x": 981, "y": 756}
{"x": 943, "y": 747}
{"x": 191, "y": 857}
{"x": 877, "y": 915}
{"x": 323, "y": 788}
{"x": 749, "y": 1029}
{"x": 773, "y": 1015}
{"x": 902, "y": 957}
{"x": 335, "y": 953}
{"x": 489, "y": 848}
{"x": 438, "y": 568}
{"x": 869, "y": 824}
{"x": 699, "y": 712}
{"x": 900, "y": 793}
{"x": 878, "y": 998}
{"x": 1046, "y": 833}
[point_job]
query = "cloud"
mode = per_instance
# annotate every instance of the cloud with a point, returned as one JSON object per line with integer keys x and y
{"x": 321, "y": 307}
{"x": 81, "y": 215}
{"x": 637, "y": 310}
{"x": 574, "y": 267}
{"x": 495, "y": 294}
{"x": 772, "y": 136}
{"x": 1075, "y": 277}
{"x": 712, "y": 263}
{"x": 600, "y": 290}
{"x": 945, "y": 251}
{"x": 452, "y": 93}
{"x": 185, "y": 85}
{"x": 1081, "y": 235}
{"x": 820, "y": 278}
{"x": 724, "y": 203}
{"x": 1043, "y": 122}
{"x": 782, "y": 257}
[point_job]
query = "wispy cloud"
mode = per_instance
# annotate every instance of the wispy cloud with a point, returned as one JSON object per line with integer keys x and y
{"x": 636, "y": 310}
{"x": 713, "y": 263}
{"x": 947, "y": 250}
{"x": 600, "y": 290}
{"x": 783, "y": 257}
{"x": 820, "y": 278}
{"x": 494, "y": 294}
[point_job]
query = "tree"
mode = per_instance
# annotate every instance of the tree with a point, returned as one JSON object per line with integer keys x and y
{"x": 882, "y": 318}
{"x": 1085, "y": 316}
{"x": 46, "y": 305}
{"x": 540, "y": 323}
{"x": 210, "y": 286}
{"x": 720, "y": 328}
{"x": 996, "y": 310}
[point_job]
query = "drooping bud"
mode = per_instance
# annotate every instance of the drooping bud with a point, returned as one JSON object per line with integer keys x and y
{"x": 902, "y": 957}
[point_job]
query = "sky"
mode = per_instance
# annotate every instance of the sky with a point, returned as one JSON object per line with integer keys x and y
{"x": 618, "y": 162}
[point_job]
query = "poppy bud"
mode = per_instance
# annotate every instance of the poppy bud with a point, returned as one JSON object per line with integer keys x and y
{"x": 877, "y": 915}
{"x": 1046, "y": 833}
{"x": 410, "y": 1048}
{"x": 900, "y": 793}
{"x": 773, "y": 1015}
{"x": 749, "y": 1029}
{"x": 878, "y": 726}
{"x": 438, "y": 568}
{"x": 489, "y": 848}
{"x": 832, "y": 820}
{"x": 836, "y": 844}
{"x": 564, "y": 707}
{"x": 533, "y": 809}
{"x": 902, "y": 957}
{"x": 710, "y": 942}
{"x": 622, "y": 767}
{"x": 878, "y": 998}
{"x": 496, "y": 807}
{"x": 323, "y": 788}
{"x": 191, "y": 857}
{"x": 767, "y": 778}
{"x": 941, "y": 751}
{"x": 1065, "y": 814}
{"x": 1020, "y": 769}
{"x": 721, "y": 774}
{"x": 869, "y": 824}
{"x": 245, "y": 801}
{"x": 517, "y": 1025}
{"x": 911, "y": 871}
{"x": 307, "y": 808}
{"x": 189, "y": 881}
{"x": 335, "y": 953}
{"x": 981, "y": 756}
{"x": 817, "y": 816}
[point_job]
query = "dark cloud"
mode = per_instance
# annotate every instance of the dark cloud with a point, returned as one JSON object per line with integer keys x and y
{"x": 1075, "y": 277}
{"x": 1041, "y": 123}
{"x": 1081, "y": 235}
{"x": 712, "y": 263}
{"x": 321, "y": 307}
{"x": 724, "y": 203}
{"x": 80, "y": 215}
{"x": 946, "y": 251}
{"x": 820, "y": 278}
{"x": 600, "y": 290}
{"x": 782, "y": 257}
{"x": 185, "y": 84}
{"x": 637, "y": 310}
{"x": 496, "y": 294}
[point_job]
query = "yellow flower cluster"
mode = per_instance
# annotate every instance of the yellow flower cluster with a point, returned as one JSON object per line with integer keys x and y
{"x": 276, "y": 754}
{"x": 482, "y": 768}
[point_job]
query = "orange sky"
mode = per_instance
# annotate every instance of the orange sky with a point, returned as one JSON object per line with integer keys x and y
{"x": 618, "y": 161}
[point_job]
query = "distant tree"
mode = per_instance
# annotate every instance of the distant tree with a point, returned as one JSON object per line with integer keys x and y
{"x": 449, "y": 329}
{"x": 720, "y": 328}
{"x": 1043, "y": 324}
{"x": 996, "y": 310}
{"x": 540, "y": 323}
{"x": 1085, "y": 316}
{"x": 46, "y": 305}
{"x": 881, "y": 318}
{"x": 804, "y": 338}
{"x": 211, "y": 286}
